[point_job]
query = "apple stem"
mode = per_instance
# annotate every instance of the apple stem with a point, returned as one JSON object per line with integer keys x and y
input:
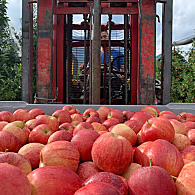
{"x": 150, "y": 161}
{"x": 149, "y": 123}
{"x": 134, "y": 127}
{"x": 6, "y": 150}
{"x": 173, "y": 177}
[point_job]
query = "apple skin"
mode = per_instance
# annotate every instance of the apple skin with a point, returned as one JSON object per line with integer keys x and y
{"x": 157, "y": 128}
{"x": 146, "y": 179}
{"x": 98, "y": 188}
{"x": 2, "y": 124}
{"x": 82, "y": 126}
{"x": 98, "y": 127}
{"x": 151, "y": 109}
{"x": 6, "y": 116}
{"x": 71, "y": 109}
{"x": 31, "y": 124}
{"x": 186, "y": 117}
{"x": 40, "y": 134}
{"x": 92, "y": 119}
{"x": 8, "y": 141}
{"x": 189, "y": 125}
{"x": 191, "y": 136}
{"x": 86, "y": 170}
{"x": 13, "y": 180}
{"x": 178, "y": 126}
{"x": 63, "y": 116}
{"x": 35, "y": 112}
{"x": 109, "y": 147}
{"x": 54, "y": 180}
{"x": 17, "y": 160}
{"x": 127, "y": 114}
{"x": 181, "y": 141}
{"x": 90, "y": 112}
{"x": 51, "y": 121}
{"x": 110, "y": 122}
{"x": 116, "y": 114}
{"x": 167, "y": 115}
{"x": 103, "y": 112}
{"x": 21, "y": 115}
{"x": 60, "y": 136}
{"x": 84, "y": 140}
{"x": 126, "y": 132}
{"x": 77, "y": 117}
{"x": 31, "y": 151}
{"x": 60, "y": 153}
{"x": 188, "y": 153}
{"x": 134, "y": 125}
{"x": 67, "y": 127}
{"x": 109, "y": 178}
{"x": 185, "y": 183}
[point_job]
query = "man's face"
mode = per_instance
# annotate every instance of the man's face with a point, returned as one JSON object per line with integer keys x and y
{"x": 104, "y": 36}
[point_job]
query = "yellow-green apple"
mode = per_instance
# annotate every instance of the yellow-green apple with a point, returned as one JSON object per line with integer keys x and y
{"x": 31, "y": 151}
{"x": 86, "y": 170}
{"x": 77, "y": 117}
{"x": 127, "y": 114}
{"x": 92, "y": 119}
{"x": 188, "y": 153}
{"x": 157, "y": 128}
{"x": 90, "y": 112}
{"x": 191, "y": 136}
{"x": 189, "y": 125}
{"x": 146, "y": 179}
{"x": 185, "y": 117}
{"x": 82, "y": 126}
{"x": 51, "y": 121}
{"x": 185, "y": 183}
{"x": 35, "y": 112}
{"x": 19, "y": 129}
{"x": 8, "y": 141}
{"x": 151, "y": 109}
{"x": 181, "y": 141}
{"x": 60, "y": 153}
{"x": 103, "y": 112}
{"x": 128, "y": 172}
{"x": 134, "y": 125}
{"x": 21, "y": 115}
{"x": 13, "y": 181}
{"x": 60, "y": 136}
{"x": 167, "y": 114}
{"x": 99, "y": 188}
{"x": 116, "y": 114}
{"x": 107, "y": 148}
{"x": 17, "y": 160}
{"x": 178, "y": 126}
{"x": 2, "y": 124}
{"x": 63, "y": 116}
{"x": 40, "y": 134}
{"x": 30, "y": 124}
{"x": 67, "y": 127}
{"x": 164, "y": 154}
{"x": 110, "y": 122}
{"x": 84, "y": 140}
{"x": 6, "y": 116}
{"x": 126, "y": 132}
{"x": 98, "y": 127}
{"x": 54, "y": 180}
{"x": 109, "y": 178}
{"x": 70, "y": 108}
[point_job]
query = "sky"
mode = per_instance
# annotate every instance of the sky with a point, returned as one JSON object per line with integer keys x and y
{"x": 183, "y": 19}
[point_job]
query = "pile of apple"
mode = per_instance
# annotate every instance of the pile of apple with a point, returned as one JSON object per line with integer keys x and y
{"x": 97, "y": 152}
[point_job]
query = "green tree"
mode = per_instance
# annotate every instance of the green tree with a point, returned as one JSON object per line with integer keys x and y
{"x": 10, "y": 62}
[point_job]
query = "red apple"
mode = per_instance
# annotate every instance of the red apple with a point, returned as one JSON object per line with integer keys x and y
{"x": 87, "y": 169}
{"x": 157, "y": 128}
{"x": 40, "y": 134}
{"x": 67, "y": 127}
{"x": 60, "y": 136}
{"x": 77, "y": 117}
{"x": 31, "y": 124}
{"x": 60, "y": 153}
{"x": 81, "y": 126}
{"x": 71, "y": 109}
{"x": 51, "y": 121}
{"x": 110, "y": 122}
{"x": 178, "y": 126}
{"x": 126, "y": 132}
{"x": 99, "y": 188}
{"x": 8, "y": 141}
{"x": 151, "y": 109}
{"x": 92, "y": 119}
{"x": 185, "y": 117}
{"x": 109, "y": 147}
{"x": 188, "y": 153}
{"x": 189, "y": 125}
{"x": 31, "y": 151}
{"x": 116, "y": 114}
{"x": 102, "y": 132}
{"x": 17, "y": 160}
{"x": 35, "y": 112}
{"x": 98, "y": 127}
{"x": 90, "y": 112}
{"x": 109, "y": 178}
{"x": 181, "y": 141}
{"x": 6, "y": 116}
{"x": 13, "y": 181}
{"x": 21, "y": 115}
{"x": 167, "y": 115}
{"x": 127, "y": 114}
{"x": 191, "y": 136}
{"x": 63, "y": 116}
{"x": 134, "y": 125}
{"x": 54, "y": 180}
{"x": 3, "y": 124}
{"x": 103, "y": 112}
{"x": 84, "y": 140}
{"x": 185, "y": 183}
{"x": 146, "y": 179}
